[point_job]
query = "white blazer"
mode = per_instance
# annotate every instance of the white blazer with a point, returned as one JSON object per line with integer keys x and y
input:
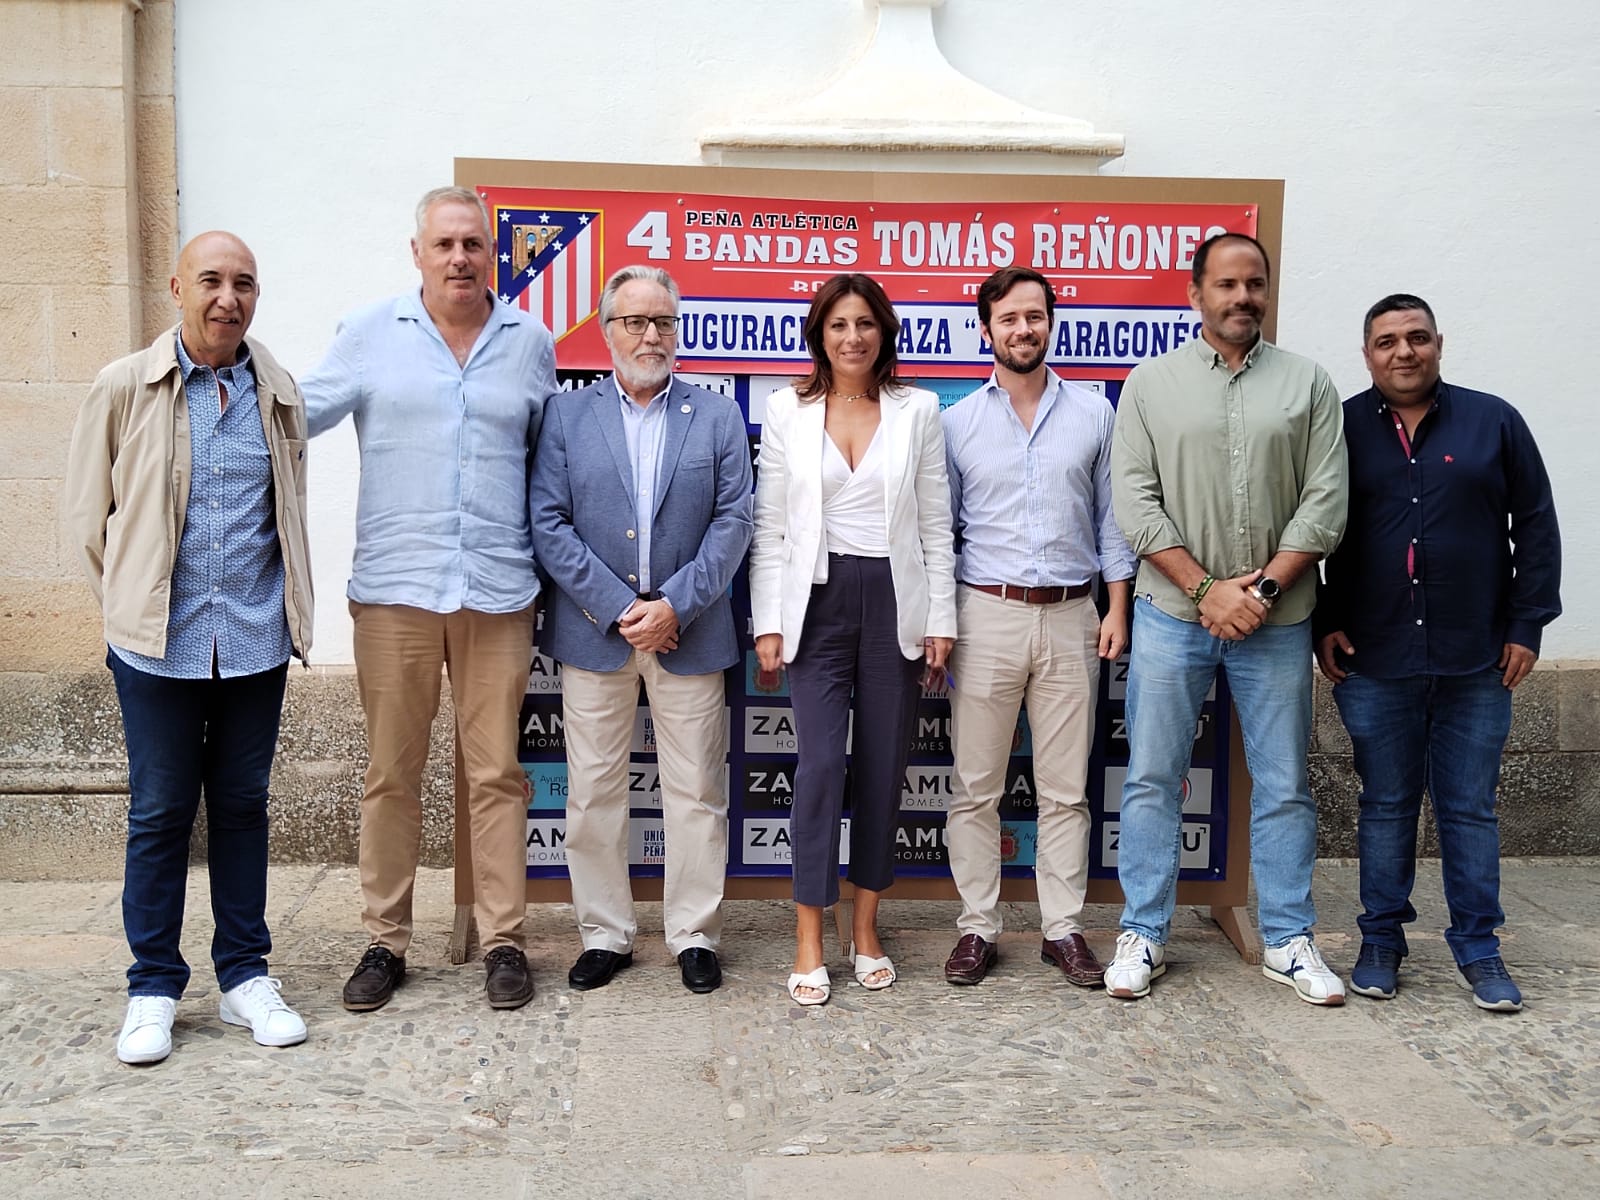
{"x": 790, "y": 550}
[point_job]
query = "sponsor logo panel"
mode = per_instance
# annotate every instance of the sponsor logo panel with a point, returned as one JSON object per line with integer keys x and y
{"x": 766, "y": 842}
{"x": 547, "y": 785}
{"x": 1196, "y": 786}
{"x": 1195, "y": 855}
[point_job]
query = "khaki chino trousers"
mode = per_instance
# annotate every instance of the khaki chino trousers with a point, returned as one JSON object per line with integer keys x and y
{"x": 689, "y": 714}
{"x": 1046, "y": 654}
{"x": 400, "y": 652}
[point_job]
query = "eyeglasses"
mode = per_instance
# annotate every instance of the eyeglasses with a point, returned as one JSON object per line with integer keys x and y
{"x": 665, "y": 326}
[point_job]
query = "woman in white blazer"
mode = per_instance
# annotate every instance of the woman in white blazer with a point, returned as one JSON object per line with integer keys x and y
{"x": 852, "y": 587}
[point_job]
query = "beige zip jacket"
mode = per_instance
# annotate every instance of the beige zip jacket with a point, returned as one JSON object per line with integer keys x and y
{"x": 127, "y": 490}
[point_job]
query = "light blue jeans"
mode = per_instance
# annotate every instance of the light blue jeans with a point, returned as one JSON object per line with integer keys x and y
{"x": 1269, "y": 673}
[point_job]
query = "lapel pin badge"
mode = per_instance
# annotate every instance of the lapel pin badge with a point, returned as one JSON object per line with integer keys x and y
{"x": 687, "y": 408}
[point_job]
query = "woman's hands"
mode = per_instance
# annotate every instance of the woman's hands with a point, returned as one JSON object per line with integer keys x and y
{"x": 769, "y": 651}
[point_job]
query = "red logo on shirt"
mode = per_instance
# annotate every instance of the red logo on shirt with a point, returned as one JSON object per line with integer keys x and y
{"x": 1447, "y": 458}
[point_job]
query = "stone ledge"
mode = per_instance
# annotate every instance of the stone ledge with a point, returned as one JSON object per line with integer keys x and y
{"x": 63, "y": 777}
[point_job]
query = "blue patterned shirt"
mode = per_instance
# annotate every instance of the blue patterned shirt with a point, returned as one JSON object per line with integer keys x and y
{"x": 226, "y": 604}
{"x": 1033, "y": 506}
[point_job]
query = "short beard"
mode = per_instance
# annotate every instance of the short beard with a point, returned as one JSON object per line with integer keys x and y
{"x": 1245, "y": 340}
{"x": 1020, "y": 366}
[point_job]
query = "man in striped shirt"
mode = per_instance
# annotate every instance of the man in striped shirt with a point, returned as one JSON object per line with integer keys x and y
{"x": 1029, "y": 459}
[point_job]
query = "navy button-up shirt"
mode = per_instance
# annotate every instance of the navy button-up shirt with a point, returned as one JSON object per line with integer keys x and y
{"x": 1452, "y": 548}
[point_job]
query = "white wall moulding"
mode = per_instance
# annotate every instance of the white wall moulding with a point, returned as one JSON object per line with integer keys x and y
{"x": 903, "y": 106}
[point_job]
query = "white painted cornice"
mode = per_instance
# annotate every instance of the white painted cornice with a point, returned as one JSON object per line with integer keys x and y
{"x": 901, "y": 99}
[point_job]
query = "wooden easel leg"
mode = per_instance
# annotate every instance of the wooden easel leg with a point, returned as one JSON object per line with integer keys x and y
{"x": 1235, "y": 922}
{"x": 462, "y": 934}
{"x": 842, "y": 914}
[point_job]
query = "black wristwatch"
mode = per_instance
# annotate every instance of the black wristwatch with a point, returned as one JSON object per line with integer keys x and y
{"x": 1266, "y": 590}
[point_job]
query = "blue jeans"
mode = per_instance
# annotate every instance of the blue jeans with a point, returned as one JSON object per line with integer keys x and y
{"x": 1172, "y": 667}
{"x": 1444, "y": 733}
{"x": 186, "y": 736}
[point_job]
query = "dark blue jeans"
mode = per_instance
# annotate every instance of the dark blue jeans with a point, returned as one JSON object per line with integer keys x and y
{"x": 1445, "y": 734}
{"x": 185, "y": 737}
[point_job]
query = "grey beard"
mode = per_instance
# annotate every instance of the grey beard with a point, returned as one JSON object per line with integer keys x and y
{"x": 642, "y": 380}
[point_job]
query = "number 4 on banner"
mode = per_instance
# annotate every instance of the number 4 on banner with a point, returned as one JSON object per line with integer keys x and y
{"x": 651, "y": 234}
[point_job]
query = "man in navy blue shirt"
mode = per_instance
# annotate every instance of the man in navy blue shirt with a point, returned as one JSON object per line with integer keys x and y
{"x": 1431, "y": 615}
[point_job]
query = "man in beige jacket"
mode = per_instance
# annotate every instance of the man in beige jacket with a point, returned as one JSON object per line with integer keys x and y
{"x": 186, "y": 497}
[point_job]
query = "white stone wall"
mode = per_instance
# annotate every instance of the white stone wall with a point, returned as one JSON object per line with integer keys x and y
{"x": 1447, "y": 149}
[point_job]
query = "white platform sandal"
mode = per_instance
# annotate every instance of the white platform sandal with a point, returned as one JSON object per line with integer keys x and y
{"x": 867, "y": 967}
{"x": 817, "y": 981}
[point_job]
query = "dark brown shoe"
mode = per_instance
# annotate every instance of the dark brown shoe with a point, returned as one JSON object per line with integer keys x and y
{"x": 970, "y": 961}
{"x": 1076, "y": 960}
{"x": 375, "y": 978}
{"x": 509, "y": 983}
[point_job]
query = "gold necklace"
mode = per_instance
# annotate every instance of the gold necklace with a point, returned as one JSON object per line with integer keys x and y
{"x": 853, "y": 399}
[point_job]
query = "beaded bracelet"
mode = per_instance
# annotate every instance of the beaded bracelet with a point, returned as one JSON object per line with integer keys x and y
{"x": 1200, "y": 590}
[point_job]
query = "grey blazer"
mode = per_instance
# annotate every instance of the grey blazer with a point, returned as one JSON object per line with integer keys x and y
{"x": 581, "y": 502}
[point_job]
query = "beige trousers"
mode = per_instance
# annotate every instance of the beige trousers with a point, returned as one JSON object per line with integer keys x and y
{"x": 399, "y": 654}
{"x": 689, "y": 713}
{"x": 1008, "y": 652}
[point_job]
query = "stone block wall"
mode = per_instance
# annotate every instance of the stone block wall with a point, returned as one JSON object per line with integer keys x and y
{"x": 1549, "y": 780}
{"x": 64, "y": 776}
{"x": 88, "y": 185}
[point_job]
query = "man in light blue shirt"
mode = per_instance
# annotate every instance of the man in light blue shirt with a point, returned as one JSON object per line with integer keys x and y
{"x": 1030, "y": 480}
{"x": 447, "y": 386}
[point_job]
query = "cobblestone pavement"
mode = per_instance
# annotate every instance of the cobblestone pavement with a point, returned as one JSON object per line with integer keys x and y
{"x": 1219, "y": 1083}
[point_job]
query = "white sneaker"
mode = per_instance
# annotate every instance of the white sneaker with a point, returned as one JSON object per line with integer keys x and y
{"x": 1138, "y": 960}
{"x": 1299, "y": 963}
{"x": 256, "y": 1003}
{"x": 146, "y": 1035}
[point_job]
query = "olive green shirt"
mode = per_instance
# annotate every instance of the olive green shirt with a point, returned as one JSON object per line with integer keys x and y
{"x": 1232, "y": 466}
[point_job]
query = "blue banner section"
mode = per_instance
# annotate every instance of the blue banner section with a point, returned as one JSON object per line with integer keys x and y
{"x": 761, "y": 752}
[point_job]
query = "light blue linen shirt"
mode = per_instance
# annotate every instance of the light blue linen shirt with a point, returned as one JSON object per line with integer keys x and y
{"x": 643, "y": 426}
{"x": 1033, "y": 507}
{"x": 442, "y": 514}
{"x": 226, "y": 604}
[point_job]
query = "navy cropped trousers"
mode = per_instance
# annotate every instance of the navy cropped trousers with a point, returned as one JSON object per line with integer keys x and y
{"x": 850, "y": 660}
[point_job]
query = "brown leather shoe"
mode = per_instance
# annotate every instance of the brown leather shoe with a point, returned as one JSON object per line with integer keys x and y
{"x": 376, "y": 976}
{"x": 970, "y": 961}
{"x": 1076, "y": 960}
{"x": 507, "y": 981}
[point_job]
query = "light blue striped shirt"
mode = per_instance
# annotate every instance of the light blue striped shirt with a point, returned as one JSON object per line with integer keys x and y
{"x": 1033, "y": 507}
{"x": 643, "y": 427}
{"x": 226, "y": 602}
{"x": 442, "y": 514}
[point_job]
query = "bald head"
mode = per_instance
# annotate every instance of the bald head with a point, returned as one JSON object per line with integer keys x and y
{"x": 215, "y": 289}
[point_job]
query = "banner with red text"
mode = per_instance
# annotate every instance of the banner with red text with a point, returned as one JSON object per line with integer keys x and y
{"x": 747, "y": 267}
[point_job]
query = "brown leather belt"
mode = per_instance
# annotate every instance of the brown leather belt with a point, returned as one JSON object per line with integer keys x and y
{"x": 1031, "y": 595}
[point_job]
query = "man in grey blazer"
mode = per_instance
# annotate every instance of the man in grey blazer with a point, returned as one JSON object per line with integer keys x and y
{"x": 640, "y": 504}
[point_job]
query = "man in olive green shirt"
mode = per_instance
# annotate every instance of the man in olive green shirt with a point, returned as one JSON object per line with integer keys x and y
{"x": 1229, "y": 480}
